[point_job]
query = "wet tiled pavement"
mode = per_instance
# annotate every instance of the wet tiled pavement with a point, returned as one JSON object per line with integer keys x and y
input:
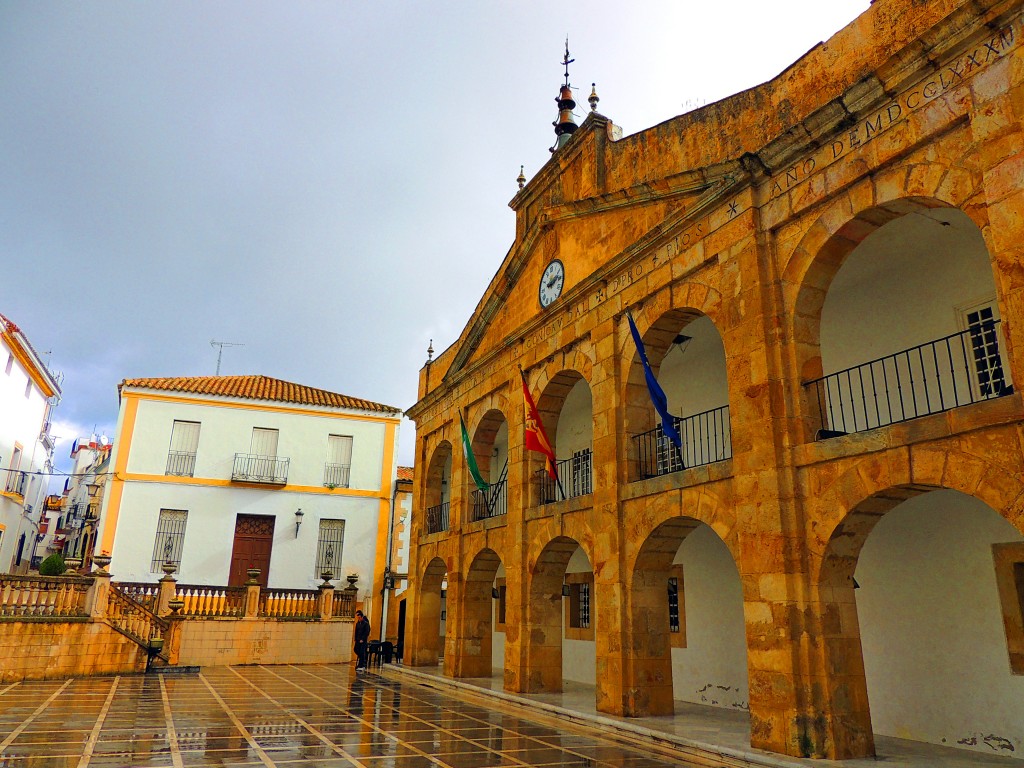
{"x": 289, "y": 716}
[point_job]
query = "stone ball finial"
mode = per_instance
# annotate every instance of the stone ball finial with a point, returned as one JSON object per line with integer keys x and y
{"x": 593, "y": 98}
{"x": 522, "y": 178}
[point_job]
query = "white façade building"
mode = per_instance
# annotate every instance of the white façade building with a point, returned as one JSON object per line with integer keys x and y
{"x": 220, "y": 474}
{"x": 28, "y": 391}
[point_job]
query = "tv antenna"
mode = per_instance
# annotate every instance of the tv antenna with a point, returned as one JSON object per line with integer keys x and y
{"x": 220, "y": 350}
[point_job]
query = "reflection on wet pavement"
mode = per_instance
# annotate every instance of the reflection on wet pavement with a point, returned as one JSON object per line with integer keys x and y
{"x": 290, "y": 716}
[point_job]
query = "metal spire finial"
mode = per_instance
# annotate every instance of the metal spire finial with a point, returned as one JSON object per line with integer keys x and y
{"x": 567, "y": 61}
{"x": 522, "y": 178}
{"x": 593, "y": 99}
{"x": 430, "y": 351}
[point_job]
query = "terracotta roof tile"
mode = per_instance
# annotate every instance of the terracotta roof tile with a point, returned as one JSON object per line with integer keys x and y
{"x": 259, "y": 388}
{"x": 405, "y": 473}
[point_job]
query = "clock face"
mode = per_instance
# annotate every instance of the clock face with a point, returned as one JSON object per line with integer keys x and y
{"x": 551, "y": 283}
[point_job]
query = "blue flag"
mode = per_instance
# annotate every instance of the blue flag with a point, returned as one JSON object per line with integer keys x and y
{"x": 657, "y": 393}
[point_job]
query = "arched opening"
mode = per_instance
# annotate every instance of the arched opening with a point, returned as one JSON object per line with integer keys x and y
{"x": 915, "y": 623}
{"x": 566, "y": 410}
{"x": 908, "y": 323}
{"x": 476, "y": 634}
{"x": 490, "y": 449}
{"x": 688, "y": 631}
{"x": 437, "y": 509}
{"x": 561, "y": 617}
{"x": 687, "y": 356}
{"x": 430, "y": 615}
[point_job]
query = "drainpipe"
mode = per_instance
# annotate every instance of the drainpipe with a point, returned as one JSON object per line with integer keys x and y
{"x": 387, "y": 563}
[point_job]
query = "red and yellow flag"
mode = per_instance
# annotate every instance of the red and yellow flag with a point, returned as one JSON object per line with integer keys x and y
{"x": 536, "y": 437}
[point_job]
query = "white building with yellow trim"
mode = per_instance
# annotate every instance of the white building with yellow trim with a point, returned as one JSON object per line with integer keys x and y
{"x": 220, "y": 474}
{"x": 28, "y": 391}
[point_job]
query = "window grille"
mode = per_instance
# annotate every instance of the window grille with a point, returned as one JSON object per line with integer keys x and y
{"x": 181, "y": 456}
{"x": 673, "y": 604}
{"x": 579, "y": 605}
{"x": 988, "y": 363}
{"x": 170, "y": 538}
{"x": 329, "y": 547}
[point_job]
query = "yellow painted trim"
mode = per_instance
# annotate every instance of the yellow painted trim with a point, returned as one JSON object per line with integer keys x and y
{"x": 258, "y": 407}
{"x": 15, "y": 496}
{"x": 26, "y": 362}
{"x": 383, "y": 518}
{"x": 124, "y": 444}
{"x": 212, "y": 482}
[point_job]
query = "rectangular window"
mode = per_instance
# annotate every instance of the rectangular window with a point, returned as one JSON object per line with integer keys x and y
{"x": 181, "y": 456}
{"x": 339, "y": 461}
{"x": 499, "y": 605}
{"x": 329, "y": 546}
{"x": 264, "y": 442}
{"x": 1009, "y": 562}
{"x": 676, "y": 607}
{"x": 579, "y": 623}
{"x": 170, "y": 538}
{"x": 981, "y": 321}
{"x": 673, "y": 604}
{"x": 581, "y": 473}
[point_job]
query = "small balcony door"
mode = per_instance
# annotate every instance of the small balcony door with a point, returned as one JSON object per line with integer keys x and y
{"x": 264, "y": 442}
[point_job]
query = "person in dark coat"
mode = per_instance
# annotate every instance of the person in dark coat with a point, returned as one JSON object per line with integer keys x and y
{"x": 361, "y": 634}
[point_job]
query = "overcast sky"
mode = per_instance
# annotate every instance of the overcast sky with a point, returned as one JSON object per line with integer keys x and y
{"x": 326, "y": 183}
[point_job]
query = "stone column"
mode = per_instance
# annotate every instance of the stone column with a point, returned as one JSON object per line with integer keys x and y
{"x": 252, "y": 594}
{"x": 326, "y": 599}
{"x": 168, "y": 589}
{"x": 99, "y": 594}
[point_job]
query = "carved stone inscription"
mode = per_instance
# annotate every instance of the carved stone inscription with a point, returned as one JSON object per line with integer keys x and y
{"x": 928, "y": 89}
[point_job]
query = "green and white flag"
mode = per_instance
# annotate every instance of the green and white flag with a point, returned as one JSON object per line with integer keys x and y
{"x": 467, "y": 449}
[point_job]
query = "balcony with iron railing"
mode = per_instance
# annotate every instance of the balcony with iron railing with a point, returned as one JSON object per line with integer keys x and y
{"x": 337, "y": 475}
{"x": 705, "y": 438}
{"x": 437, "y": 517}
{"x": 16, "y": 482}
{"x": 960, "y": 369}
{"x": 575, "y": 478}
{"x": 265, "y": 470}
{"x": 491, "y": 503}
{"x": 181, "y": 463}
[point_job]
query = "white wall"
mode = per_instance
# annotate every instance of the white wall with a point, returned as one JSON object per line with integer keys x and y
{"x": 210, "y": 529}
{"x": 21, "y": 421}
{"x": 693, "y": 375}
{"x": 226, "y": 431}
{"x": 712, "y": 669}
{"x": 498, "y": 638}
{"x": 931, "y": 626}
{"x": 575, "y": 422}
{"x": 499, "y": 454}
{"x": 579, "y": 657}
{"x": 899, "y": 287}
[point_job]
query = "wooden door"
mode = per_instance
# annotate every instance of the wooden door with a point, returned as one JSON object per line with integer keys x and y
{"x": 254, "y": 540}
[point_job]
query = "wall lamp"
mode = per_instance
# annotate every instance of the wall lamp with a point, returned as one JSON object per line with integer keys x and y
{"x": 565, "y": 590}
{"x": 298, "y": 520}
{"x": 495, "y": 594}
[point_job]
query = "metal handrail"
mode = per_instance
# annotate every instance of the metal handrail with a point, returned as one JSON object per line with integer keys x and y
{"x": 337, "y": 475}
{"x": 933, "y": 377}
{"x": 705, "y": 437}
{"x": 254, "y": 468}
{"x": 575, "y": 478}
{"x": 181, "y": 463}
{"x": 491, "y": 503}
{"x": 437, "y": 517}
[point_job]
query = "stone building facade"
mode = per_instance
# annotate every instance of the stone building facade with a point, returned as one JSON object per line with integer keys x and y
{"x": 826, "y": 272}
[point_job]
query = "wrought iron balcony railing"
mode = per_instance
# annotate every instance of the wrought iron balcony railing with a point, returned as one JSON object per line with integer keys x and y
{"x": 575, "y": 478}
{"x": 16, "y": 482}
{"x": 181, "y": 463}
{"x": 936, "y": 376}
{"x": 337, "y": 475}
{"x": 437, "y": 517}
{"x": 492, "y": 503}
{"x": 706, "y": 437}
{"x": 252, "y": 468}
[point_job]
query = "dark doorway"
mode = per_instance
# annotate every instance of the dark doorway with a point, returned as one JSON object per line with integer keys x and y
{"x": 254, "y": 539}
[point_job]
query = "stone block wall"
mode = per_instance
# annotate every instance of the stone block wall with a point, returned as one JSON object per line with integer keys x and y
{"x": 42, "y": 649}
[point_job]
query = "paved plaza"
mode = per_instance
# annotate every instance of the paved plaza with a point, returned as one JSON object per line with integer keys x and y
{"x": 278, "y": 716}
{"x": 328, "y": 716}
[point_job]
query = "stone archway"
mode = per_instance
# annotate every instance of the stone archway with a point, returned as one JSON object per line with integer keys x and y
{"x": 912, "y": 626}
{"x": 426, "y": 639}
{"x": 476, "y": 617}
